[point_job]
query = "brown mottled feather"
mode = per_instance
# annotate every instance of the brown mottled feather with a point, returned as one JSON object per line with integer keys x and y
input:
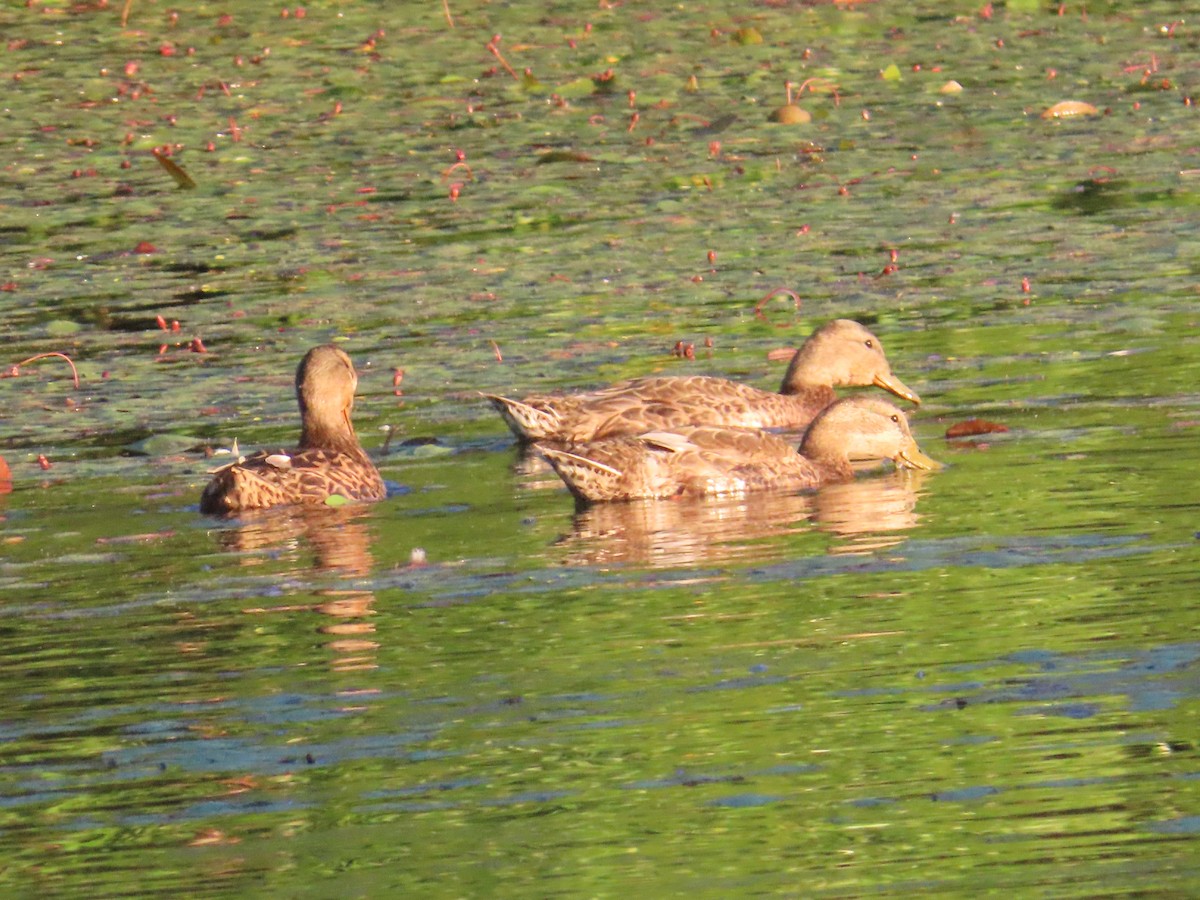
{"x": 707, "y": 460}
{"x": 841, "y": 352}
{"x": 328, "y": 460}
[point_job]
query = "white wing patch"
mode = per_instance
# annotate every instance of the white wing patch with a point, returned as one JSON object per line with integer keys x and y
{"x": 667, "y": 440}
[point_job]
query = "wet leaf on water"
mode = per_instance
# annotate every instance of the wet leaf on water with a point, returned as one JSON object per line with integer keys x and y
{"x": 182, "y": 178}
{"x": 790, "y": 114}
{"x": 971, "y": 427}
{"x": 891, "y": 73}
{"x": 555, "y": 156}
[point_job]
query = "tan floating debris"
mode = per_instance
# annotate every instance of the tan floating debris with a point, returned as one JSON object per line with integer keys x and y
{"x": 1068, "y": 108}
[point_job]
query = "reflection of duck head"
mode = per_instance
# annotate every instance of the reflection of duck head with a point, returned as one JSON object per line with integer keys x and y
{"x": 872, "y": 512}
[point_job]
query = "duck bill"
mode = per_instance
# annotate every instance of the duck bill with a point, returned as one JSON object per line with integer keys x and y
{"x": 911, "y": 457}
{"x": 890, "y": 382}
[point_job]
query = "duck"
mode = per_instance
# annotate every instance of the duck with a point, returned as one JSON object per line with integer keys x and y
{"x": 327, "y": 461}
{"x": 840, "y": 352}
{"x": 710, "y": 461}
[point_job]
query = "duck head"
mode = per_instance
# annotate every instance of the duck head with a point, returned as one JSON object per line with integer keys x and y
{"x": 325, "y": 385}
{"x": 863, "y": 428}
{"x": 844, "y": 353}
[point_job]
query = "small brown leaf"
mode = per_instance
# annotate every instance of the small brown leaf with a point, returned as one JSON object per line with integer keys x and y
{"x": 182, "y": 178}
{"x": 974, "y": 426}
{"x": 556, "y": 156}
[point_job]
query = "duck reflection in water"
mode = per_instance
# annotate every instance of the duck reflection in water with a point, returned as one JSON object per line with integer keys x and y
{"x": 872, "y": 513}
{"x": 339, "y": 541}
{"x": 863, "y": 517}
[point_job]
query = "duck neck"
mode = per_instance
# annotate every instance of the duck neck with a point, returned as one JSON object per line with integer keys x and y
{"x": 337, "y": 436}
{"x": 816, "y": 395}
{"x": 829, "y": 458}
{"x": 800, "y": 378}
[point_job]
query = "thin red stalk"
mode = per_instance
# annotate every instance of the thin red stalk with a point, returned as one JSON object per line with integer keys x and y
{"x": 459, "y": 165}
{"x": 758, "y": 307}
{"x": 24, "y": 362}
{"x": 504, "y": 62}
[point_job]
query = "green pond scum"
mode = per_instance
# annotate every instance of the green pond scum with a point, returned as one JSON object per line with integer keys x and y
{"x": 979, "y": 681}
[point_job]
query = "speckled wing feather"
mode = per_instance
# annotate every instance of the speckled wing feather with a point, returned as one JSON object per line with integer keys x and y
{"x": 656, "y": 403}
{"x": 696, "y": 460}
{"x": 841, "y": 352}
{"x": 307, "y": 476}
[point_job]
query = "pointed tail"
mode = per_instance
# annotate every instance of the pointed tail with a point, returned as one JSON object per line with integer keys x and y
{"x": 527, "y": 423}
{"x": 588, "y": 479}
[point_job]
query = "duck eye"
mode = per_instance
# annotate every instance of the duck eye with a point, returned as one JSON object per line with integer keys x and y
{"x": 870, "y": 343}
{"x": 895, "y": 418}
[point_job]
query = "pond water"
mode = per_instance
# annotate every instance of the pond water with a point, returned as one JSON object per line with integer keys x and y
{"x": 984, "y": 679}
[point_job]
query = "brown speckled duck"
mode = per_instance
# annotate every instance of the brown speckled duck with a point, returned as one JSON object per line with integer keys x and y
{"x": 704, "y": 460}
{"x": 328, "y": 461}
{"x": 841, "y": 352}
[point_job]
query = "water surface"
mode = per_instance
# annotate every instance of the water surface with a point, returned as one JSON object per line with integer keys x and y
{"x": 979, "y": 680}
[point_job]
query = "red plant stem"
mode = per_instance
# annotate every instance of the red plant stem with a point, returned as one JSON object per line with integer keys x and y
{"x": 758, "y": 307}
{"x": 459, "y": 165}
{"x": 74, "y": 372}
{"x": 446, "y": 10}
{"x": 504, "y": 62}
